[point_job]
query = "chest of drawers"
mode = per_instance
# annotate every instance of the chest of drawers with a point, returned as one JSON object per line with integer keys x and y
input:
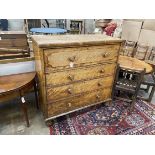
{"x": 74, "y": 71}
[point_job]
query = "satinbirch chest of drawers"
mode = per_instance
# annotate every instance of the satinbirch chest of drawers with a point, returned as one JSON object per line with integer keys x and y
{"x": 74, "y": 71}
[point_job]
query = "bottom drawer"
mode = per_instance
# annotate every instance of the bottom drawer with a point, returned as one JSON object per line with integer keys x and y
{"x": 58, "y": 108}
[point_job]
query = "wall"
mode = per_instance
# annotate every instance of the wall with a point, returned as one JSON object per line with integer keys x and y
{"x": 89, "y": 26}
{"x": 16, "y": 24}
{"x": 15, "y": 68}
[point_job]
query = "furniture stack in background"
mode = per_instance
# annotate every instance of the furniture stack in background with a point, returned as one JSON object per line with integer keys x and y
{"x": 142, "y": 33}
{"x": 147, "y": 35}
{"x": 13, "y": 44}
{"x": 139, "y": 31}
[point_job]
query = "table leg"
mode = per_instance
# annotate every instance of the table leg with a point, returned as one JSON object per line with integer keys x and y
{"x": 24, "y": 108}
{"x": 36, "y": 93}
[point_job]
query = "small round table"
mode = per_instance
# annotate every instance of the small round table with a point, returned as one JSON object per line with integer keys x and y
{"x": 48, "y": 30}
{"x": 18, "y": 85}
{"x": 134, "y": 64}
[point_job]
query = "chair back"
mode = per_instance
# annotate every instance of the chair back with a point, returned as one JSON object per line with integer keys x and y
{"x": 129, "y": 80}
{"x": 128, "y": 48}
{"x": 13, "y": 44}
{"x": 141, "y": 51}
{"x": 151, "y": 56}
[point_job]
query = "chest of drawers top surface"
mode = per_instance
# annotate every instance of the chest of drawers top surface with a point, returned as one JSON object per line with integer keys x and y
{"x": 73, "y": 40}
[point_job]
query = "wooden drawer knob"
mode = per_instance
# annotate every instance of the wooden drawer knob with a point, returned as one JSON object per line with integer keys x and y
{"x": 69, "y": 104}
{"x": 72, "y": 59}
{"x": 98, "y": 96}
{"x": 71, "y": 77}
{"x": 106, "y": 54}
{"x": 102, "y": 71}
{"x": 70, "y": 90}
{"x": 99, "y": 84}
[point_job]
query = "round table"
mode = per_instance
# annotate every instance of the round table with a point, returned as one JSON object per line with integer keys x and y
{"x": 48, "y": 30}
{"x": 18, "y": 85}
{"x": 134, "y": 64}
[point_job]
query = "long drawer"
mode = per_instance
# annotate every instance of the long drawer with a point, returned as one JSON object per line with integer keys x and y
{"x": 70, "y": 104}
{"x": 74, "y": 75}
{"x": 73, "y": 57}
{"x": 55, "y": 93}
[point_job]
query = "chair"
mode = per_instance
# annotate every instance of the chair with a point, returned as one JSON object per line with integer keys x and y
{"x": 13, "y": 45}
{"x": 149, "y": 79}
{"x": 128, "y": 48}
{"x": 141, "y": 51}
{"x": 152, "y": 54}
{"x": 128, "y": 82}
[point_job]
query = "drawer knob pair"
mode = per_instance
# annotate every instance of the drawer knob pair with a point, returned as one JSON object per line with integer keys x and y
{"x": 71, "y": 77}
{"x": 72, "y": 59}
{"x": 106, "y": 54}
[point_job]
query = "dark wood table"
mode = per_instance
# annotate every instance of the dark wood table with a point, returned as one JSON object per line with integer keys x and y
{"x": 18, "y": 85}
{"x": 134, "y": 64}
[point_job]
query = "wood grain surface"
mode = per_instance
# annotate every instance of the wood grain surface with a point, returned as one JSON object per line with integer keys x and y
{"x": 64, "y": 106}
{"x": 134, "y": 64}
{"x": 78, "y": 88}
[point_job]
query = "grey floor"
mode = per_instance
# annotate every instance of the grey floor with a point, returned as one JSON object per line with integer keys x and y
{"x": 12, "y": 121}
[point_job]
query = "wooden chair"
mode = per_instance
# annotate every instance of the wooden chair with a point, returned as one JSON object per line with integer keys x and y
{"x": 152, "y": 54}
{"x": 13, "y": 45}
{"x": 149, "y": 79}
{"x": 141, "y": 51}
{"x": 128, "y": 48}
{"x": 128, "y": 82}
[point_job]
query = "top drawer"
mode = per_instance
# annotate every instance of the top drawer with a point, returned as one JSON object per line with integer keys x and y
{"x": 75, "y": 57}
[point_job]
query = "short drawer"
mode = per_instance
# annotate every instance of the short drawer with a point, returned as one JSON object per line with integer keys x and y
{"x": 57, "y": 93}
{"x": 74, "y": 75}
{"x": 74, "y": 103}
{"x": 75, "y": 57}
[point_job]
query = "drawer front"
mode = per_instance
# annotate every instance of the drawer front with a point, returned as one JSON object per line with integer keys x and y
{"x": 73, "y": 57}
{"x": 67, "y": 105}
{"x": 70, "y": 76}
{"x": 57, "y": 93}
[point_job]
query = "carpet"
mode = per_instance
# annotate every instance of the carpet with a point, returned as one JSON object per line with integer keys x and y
{"x": 108, "y": 120}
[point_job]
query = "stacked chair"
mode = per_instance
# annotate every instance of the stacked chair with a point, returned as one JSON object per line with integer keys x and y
{"x": 128, "y": 48}
{"x": 142, "y": 52}
{"x": 13, "y": 45}
{"x": 149, "y": 79}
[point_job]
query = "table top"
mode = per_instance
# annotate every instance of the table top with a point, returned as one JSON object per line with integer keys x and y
{"x": 14, "y": 82}
{"x": 134, "y": 64}
{"x": 12, "y": 32}
{"x": 48, "y": 30}
{"x": 73, "y": 40}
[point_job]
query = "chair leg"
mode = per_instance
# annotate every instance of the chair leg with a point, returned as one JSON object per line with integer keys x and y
{"x": 147, "y": 89}
{"x": 132, "y": 104}
{"x": 151, "y": 94}
{"x": 110, "y": 103}
{"x": 24, "y": 108}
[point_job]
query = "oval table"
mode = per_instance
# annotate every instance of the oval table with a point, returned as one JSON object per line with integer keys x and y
{"x": 134, "y": 64}
{"x": 48, "y": 30}
{"x": 15, "y": 85}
